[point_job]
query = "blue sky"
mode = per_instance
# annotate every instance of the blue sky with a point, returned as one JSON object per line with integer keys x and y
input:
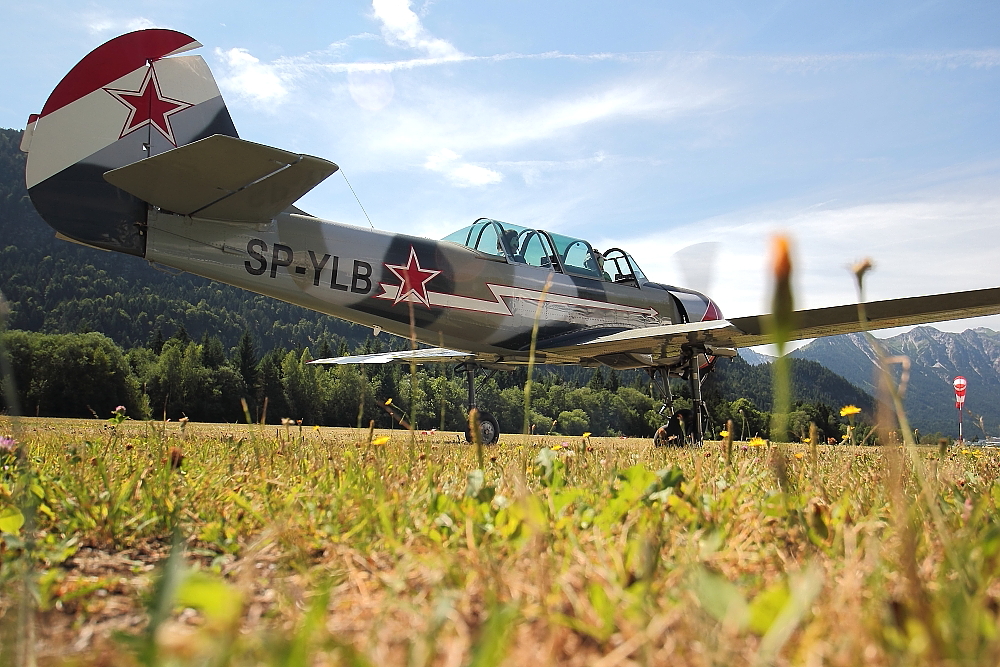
{"x": 860, "y": 129}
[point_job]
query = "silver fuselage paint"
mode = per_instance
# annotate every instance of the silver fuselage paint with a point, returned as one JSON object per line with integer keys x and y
{"x": 475, "y": 302}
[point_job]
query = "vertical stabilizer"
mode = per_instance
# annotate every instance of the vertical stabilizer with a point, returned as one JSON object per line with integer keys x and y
{"x": 128, "y": 99}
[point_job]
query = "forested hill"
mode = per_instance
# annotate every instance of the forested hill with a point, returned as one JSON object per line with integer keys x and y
{"x": 59, "y": 287}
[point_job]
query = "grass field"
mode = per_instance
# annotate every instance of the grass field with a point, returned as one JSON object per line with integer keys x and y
{"x": 334, "y": 546}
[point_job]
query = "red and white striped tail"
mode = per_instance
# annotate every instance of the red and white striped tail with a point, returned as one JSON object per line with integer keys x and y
{"x": 128, "y": 99}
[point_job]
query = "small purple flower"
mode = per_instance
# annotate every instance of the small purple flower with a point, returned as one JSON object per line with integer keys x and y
{"x": 7, "y": 444}
{"x": 121, "y": 409}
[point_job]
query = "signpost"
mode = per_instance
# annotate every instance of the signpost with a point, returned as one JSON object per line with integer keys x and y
{"x": 960, "y": 385}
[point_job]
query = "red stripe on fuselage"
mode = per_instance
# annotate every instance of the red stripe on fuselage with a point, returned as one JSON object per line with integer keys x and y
{"x": 113, "y": 60}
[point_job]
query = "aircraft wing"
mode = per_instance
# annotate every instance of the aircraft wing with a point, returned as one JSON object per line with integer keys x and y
{"x": 223, "y": 178}
{"x": 666, "y": 341}
{"x": 424, "y": 356}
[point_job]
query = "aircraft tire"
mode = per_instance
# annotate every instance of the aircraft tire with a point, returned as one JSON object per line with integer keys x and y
{"x": 489, "y": 429}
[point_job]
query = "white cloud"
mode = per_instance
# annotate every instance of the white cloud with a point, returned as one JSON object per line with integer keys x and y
{"x": 102, "y": 25}
{"x": 428, "y": 117}
{"x": 247, "y": 77}
{"x": 463, "y": 174}
{"x": 401, "y": 26}
{"x": 925, "y": 242}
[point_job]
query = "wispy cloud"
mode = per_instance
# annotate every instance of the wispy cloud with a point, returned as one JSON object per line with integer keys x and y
{"x": 401, "y": 26}
{"x": 814, "y": 62}
{"x": 463, "y": 174}
{"x": 104, "y": 25}
{"x": 434, "y": 116}
{"x": 249, "y": 78}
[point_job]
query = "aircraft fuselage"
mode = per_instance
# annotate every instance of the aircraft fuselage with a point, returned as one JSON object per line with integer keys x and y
{"x": 453, "y": 295}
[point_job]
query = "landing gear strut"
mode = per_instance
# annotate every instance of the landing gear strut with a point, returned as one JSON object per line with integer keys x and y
{"x": 489, "y": 428}
{"x": 683, "y": 423}
{"x": 694, "y": 377}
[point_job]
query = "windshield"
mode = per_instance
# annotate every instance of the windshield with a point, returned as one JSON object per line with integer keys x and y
{"x": 623, "y": 268}
{"x": 577, "y": 256}
{"x": 492, "y": 237}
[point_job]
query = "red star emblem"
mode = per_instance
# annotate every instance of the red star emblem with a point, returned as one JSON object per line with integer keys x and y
{"x": 147, "y": 106}
{"x": 414, "y": 280}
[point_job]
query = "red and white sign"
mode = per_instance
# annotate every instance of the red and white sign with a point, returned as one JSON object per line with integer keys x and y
{"x": 960, "y": 385}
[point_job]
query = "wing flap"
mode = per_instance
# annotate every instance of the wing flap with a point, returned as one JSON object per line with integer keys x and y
{"x": 428, "y": 355}
{"x": 223, "y": 178}
{"x": 659, "y": 341}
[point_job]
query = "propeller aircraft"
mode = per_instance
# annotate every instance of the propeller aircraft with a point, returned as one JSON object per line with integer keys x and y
{"x": 135, "y": 152}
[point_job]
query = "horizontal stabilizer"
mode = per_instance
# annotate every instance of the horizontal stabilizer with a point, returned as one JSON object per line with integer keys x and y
{"x": 425, "y": 356}
{"x": 223, "y": 178}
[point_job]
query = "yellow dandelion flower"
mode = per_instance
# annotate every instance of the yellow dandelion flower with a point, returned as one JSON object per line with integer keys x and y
{"x": 798, "y": 455}
{"x": 723, "y": 434}
{"x": 381, "y": 440}
{"x": 849, "y": 410}
{"x": 388, "y": 401}
{"x": 757, "y": 441}
{"x": 586, "y": 435}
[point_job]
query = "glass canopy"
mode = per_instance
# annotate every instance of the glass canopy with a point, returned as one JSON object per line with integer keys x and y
{"x": 537, "y": 247}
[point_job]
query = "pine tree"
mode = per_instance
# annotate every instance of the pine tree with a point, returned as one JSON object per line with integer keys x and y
{"x": 212, "y": 353}
{"x": 613, "y": 382}
{"x": 181, "y": 335}
{"x": 246, "y": 360}
{"x": 157, "y": 344}
{"x": 596, "y": 380}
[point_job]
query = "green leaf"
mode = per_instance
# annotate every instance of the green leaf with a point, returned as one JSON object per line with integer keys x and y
{"x": 11, "y": 520}
{"x": 219, "y": 601}
{"x": 668, "y": 478}
{"x": 766, "y": 607}
{"x": 549, "y": 469}
{"x": 604, "y": 609}
{"x": 721, "y": 599}
{"x": 311, "y": 624}
{"x": 491, "y": 648}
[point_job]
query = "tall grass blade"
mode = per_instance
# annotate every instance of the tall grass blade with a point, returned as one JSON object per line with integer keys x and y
{"x": 531, "y": 355}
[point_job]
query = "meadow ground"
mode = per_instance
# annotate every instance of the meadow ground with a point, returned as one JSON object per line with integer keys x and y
{"x": 244, "y": 545}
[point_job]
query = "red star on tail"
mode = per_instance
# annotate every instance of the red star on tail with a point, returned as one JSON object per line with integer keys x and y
{"x": 147, "y": 106}
{"x": 414, "y": 279}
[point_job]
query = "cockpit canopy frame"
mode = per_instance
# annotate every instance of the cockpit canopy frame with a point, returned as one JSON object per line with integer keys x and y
{"x": 503, "y": 241}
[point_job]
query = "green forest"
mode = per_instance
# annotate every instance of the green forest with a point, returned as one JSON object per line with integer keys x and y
{"x": 90, "y": 330}
{"x": 89, "y": 375}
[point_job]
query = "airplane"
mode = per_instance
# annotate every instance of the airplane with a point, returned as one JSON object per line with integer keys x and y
{"x": 135, "y": 152}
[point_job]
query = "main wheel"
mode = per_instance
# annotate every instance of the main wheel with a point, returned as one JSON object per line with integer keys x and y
{"x": 489, "y": 429}
{"x": 676, "y": 431}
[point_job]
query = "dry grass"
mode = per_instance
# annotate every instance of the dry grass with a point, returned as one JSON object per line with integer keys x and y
{"x": 315, "y": 547}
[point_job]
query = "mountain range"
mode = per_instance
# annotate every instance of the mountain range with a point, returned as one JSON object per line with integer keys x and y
{"x": 936, "y": 358}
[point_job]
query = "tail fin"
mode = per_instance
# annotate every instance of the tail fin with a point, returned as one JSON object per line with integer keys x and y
{"x": 125, "y": 101}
